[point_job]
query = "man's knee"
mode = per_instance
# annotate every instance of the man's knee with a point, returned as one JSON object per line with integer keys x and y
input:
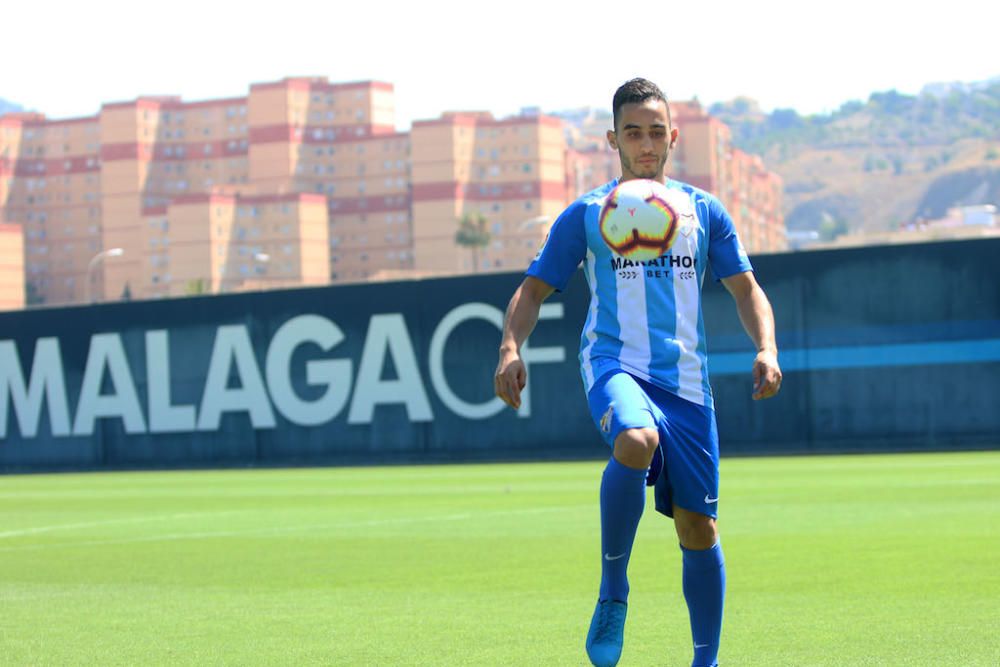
{"x": 634, "y": 447}
{"x": 695, "y": 531}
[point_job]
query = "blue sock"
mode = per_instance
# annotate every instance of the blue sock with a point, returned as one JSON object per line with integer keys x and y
{"x": 623, "y": 497}
{"x": 704, "y": 583}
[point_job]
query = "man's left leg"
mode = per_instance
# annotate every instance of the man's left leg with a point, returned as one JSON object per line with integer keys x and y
{"x": 688, "y": 491}
{"x": 703, "y": 581}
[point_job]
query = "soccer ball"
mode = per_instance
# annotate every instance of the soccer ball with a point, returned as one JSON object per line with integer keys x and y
{"x": 636, "y": 221}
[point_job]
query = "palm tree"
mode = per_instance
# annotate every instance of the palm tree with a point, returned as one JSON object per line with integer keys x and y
{"x": 472, "y": 233}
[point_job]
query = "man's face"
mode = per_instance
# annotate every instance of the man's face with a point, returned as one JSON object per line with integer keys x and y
{"x": 643, "y": 139}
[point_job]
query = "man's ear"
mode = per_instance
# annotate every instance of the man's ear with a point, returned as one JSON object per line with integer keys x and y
{"x": 612, "y": 140}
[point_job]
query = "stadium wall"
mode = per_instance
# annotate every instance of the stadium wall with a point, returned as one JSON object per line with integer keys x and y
{"x": 883, "y": 348}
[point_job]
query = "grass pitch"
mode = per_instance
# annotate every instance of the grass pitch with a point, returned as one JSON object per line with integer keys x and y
{"x": 838, "y": 561}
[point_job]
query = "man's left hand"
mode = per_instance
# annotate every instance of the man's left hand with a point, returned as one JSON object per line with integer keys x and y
{"x": 766, "y": 375}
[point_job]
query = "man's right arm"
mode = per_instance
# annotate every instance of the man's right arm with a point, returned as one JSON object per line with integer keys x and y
{"x": 522, "y": 315}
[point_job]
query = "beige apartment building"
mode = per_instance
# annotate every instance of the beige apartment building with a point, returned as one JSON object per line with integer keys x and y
{"x": 12, "y": 284}
{"x": 50, "y": 186}
{"x": 301, "y": 182}
{"x": 307, "y": 182}
{"x": 249, "y": 242}
{"x": 12, "y": 293}
{"x": 511, "y": 172}
{"x": 706, "y": 158}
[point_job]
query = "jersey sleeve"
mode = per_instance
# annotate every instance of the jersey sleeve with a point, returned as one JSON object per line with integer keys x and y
{"x": 726, "y": 254}
{"x": 564, "y": 248}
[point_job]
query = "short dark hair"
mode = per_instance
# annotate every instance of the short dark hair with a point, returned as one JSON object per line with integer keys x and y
{"x": 637, "y": 91}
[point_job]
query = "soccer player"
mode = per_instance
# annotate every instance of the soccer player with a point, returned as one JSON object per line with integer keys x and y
{"x": 644, "y": 366}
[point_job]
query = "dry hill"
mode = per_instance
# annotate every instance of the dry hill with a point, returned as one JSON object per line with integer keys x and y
{"x": 879, "y": 164}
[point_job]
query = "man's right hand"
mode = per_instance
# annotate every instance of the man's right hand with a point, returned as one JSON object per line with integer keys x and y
{"x": 510, "y": 378}
{"x": 520, "y": 319}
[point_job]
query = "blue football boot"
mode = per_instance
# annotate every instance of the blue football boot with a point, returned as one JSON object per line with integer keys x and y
{"x": 607, "y": 629}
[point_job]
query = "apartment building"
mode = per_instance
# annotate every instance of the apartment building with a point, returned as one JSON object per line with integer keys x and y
{"x": 155, "y": 179}
{"x": 590, "y": 167}
{"x": 225, "y": 242}
{"x": 338, "y": 141}
{"x": 12, "y": 269}
{"x": 50, "y": 185}
{"x": 706, "y": 158}
{"x": 754, "y": 197}
{"x": 511, "y": 172}
{"x": 12, "y": 293}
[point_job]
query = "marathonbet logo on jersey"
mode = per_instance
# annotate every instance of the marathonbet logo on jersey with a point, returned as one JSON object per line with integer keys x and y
{"x": 660, "y": 267}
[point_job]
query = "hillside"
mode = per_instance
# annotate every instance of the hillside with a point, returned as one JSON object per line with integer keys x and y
{"x": 878, "y": 164}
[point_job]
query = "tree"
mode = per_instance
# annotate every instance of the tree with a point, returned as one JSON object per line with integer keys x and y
{"x": 472, "y": 234}
{"x": 196, "y": 287}
{"x": 785, "y": 119}
{"x": 831, "y": 227}
{"x": 127, "y": 293}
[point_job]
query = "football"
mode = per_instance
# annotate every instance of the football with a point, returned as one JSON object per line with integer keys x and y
{"x": 637, "y": 222}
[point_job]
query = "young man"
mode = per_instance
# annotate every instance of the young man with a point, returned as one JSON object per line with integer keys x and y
{"x": 643, "y": 361}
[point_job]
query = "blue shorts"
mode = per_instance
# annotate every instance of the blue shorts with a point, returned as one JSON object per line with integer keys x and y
{"x": 685, "y": 469}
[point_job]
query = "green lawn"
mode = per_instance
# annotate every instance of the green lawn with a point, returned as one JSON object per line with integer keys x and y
{"x": 838, "y": 561}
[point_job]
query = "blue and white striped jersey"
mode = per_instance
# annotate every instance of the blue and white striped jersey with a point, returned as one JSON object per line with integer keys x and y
{"x": 645, "y": 318}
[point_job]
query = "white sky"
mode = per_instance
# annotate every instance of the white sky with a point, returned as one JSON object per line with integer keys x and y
{"x": 65, "y": 58}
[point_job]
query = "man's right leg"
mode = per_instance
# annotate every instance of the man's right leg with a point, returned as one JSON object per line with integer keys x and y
{"x": 623, "y": 497}
{"x": 624, "y": 415}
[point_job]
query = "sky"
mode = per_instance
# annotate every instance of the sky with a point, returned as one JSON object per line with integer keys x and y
{"x": 65, "y": 59}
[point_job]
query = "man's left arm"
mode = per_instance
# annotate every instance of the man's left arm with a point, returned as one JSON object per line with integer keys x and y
{"x": 758, "y": 320}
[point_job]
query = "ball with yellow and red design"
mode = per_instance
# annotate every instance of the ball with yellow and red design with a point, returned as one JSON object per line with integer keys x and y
{"x": 637, "y": 222}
